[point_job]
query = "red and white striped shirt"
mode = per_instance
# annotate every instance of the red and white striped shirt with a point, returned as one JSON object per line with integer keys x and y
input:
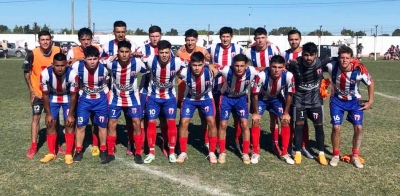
{"x": 289, "y": 55}
{"x": 262, "y": 58}
{"x": 110, "y": 48}
{"x": 59, "y": 88}
{"x": 236, "y": 86}
{"x": 92, "y": 85}
{"x": 197, "y": 88}
{"x": 269, "y": 88}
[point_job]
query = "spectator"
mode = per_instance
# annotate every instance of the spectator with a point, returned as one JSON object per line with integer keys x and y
{"x": 4, "y": 44}
{"x": 359, "y": 51}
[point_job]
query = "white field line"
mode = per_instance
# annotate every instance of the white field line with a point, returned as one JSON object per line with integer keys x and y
{"x": 384, "y": 95}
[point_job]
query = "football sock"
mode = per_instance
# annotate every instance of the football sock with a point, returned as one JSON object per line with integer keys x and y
{"x": 306, "y": 135}
{"x": 69, "y": 142}
{"x": 172, "y": 134}
{"x": 95, "y": 140}
{"x": 285, "y": 133}
{"x": 298, "y": 133}
{"x": 238, "y": 129}
{"x": 138, "y": 144}
{"x": 34, "y": 145}
{"x": 255, "y": 138}
{"x": 355, "y": 152}
{"x": 222, "y": 146}
{"x": 78, "y": 148}
{"x": 111, "y": 144}
{"x": 183, "y": 143}
{"x": 336, "y": 152}
{"x": 213, "y": 143}
{"x": 51, "y": 142}
{"x": 206, "y": 139}
{"x": 151, "y": 136}
{"x": 319, "y": 134}
{"x": 103, "y": 147}
{"x": 246, "y": 146}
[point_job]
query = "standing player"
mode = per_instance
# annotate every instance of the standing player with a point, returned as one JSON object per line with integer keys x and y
{"x": 346, "y": 75}
{"x": 36, "y": 61}
{"x": 93, "y": 101}
{"x": 161, "y": 97}
{"x": 59, "y": 84}
{"x": 198, "y": 94}
{"x": 125, "y": 97}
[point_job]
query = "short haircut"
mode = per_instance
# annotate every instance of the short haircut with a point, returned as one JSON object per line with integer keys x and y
{"x": 85, "y": 31}
{"x": 197, "y": 57}
{"x": 125, "y": 44}
{"x": 310, "y": 48}
{"x": 44, "y": 33}
{"x": 225, "y": 30}
{"x": 119, "y": 23}
{"x": 164, "y": 44}
{"x": 260, "y": 31}
{"x": 191, "y": 33}
{"x": 91, "y": 51}
{"x": 277, "y": 59}
{"x": 60, "y": 57}
{"x": 241, "y": 57}
{"x": 294, "y": 31}
{"x": 154, "y": 29}
{"x": 345, "y": 50}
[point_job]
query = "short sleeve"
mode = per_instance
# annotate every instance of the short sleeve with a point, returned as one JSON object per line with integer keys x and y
{"x": 182, "y": 74}
{"x": 140, "y": 66}
{"x": 70, "y": 54}
{"x": 257, "y": 83}
{"x": 75, "y": 67}
{"x": 44, "y": 78}
{"x": 290, "y": 83}
{"x": 73, "y": 80}
{"x": 366, "y": 78}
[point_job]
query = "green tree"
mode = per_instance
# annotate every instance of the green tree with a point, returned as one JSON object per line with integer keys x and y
{"x": 396, "y": 32}
{"x": 18, "y": 29}
{"x": 27, "y": 29}
{"x": 172, "y": 32}
{"x": 140, "y": 32}
{"x": 360, "y": 33}
{"x": 318, "y": 32}
{"x": 205, "y": 32}
{"x": 347, "y": 32}
{"x": 4, "y": 29}
{"x": 281, "y": 31}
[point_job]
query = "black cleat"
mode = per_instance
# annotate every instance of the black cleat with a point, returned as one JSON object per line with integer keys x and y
{"x": 78, "y": 156}
{"x": 138, "y": 159}
{"x": 103, "y": 156}
{"x": 108, "y": 159}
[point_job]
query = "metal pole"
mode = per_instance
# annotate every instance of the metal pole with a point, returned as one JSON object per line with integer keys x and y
{"x": 94, "y": 28}
{"x": 89, "y": 15}
{"x": 72, "y": 16}
{"x": 319, "y": 41}
{"x": 208, "y": 35}
{"x": 376, "y": 34}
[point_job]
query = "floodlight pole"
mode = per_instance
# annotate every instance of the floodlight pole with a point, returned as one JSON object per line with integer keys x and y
{"x": 376, "y": 34}
{"x": 72, "y": 16}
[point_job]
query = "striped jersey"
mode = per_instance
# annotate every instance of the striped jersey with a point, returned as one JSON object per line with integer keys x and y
{"x": 146, "y": 50}
{"x": 262, "y": 58}
{"x": 289, "y": 55}
{"x": 111, "y": 48}
{"x": 236, "y": 86}
{"x": 59, "y": 88}
{"x": 91, "y": 85}
{"x": 197, "y": 88}
{"x": 268, "y": 88}
{"x": 345, "y": 84}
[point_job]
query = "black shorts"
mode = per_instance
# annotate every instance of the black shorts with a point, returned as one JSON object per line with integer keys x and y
{"x": 37, "y": 106}
{"x": 316, "y": 115}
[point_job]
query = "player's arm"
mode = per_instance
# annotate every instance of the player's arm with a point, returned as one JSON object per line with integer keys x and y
{"x": 255, "y": 91}
{"x": 27, "y": 67}
{"x": 74, "y": 88}
{"x": 46, "y": 100}
{"x": 367, "y": 79}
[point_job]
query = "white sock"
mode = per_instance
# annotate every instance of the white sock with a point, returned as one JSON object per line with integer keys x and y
{"x": 321, "y": 153}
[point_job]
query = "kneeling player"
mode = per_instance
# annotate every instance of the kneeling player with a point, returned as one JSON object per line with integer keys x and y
{"x": 346, "y": 75}
{"x": 198, "y": 94}
{"x": 59, "y": 84}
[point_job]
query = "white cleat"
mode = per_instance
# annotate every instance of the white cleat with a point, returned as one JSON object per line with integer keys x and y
{"x": 255, "y": 158}
{"x": 150, "y": 158}
{"x": 181, "y": 158}
{"x": 287, "y": 159}
{"x": 334, "y": 161}
{"x": 356, "y": 162}
{"x": 307, "y": 153}
{"x": 212, "y": 157}
{"x": 172, "y": 158}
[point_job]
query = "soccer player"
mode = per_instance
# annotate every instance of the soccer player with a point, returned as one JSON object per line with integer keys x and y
{"x": 346, "y": 77}
{"x": 59, "y": 84}
{"x": 161, "y": 97}
{"x": 307, "y": 101}
{"x": 238, "y": 77}
{"x": 93, "y": 100}
{"x": 198, "y": 95}
{"x": 36, "y": 61}
{"x": 125, "y": 97}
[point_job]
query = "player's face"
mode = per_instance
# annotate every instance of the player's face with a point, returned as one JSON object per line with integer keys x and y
{"x": 164, "y": 55}
{"x": 92, "y": 62}
{"x": 190, "y": 42}
{"x": 344, "y": 60}
{"x": 197, "y": 68}
{"x": 124, "y": 54}
{"x": 154, "y": 38}
{"x": 309, "y": 58}
{"x": 120, "y": 33}
{"x": 45, "y": 42}
{"x": 226, "y": 39}
{"x": 85, "y": 41}
{"x": 261, "y": 40}
{"x": 59, "y": 67}
{"x": 239, "y": 67}
{"x": 276, "y": 70}
{"x": 294, "y": 41}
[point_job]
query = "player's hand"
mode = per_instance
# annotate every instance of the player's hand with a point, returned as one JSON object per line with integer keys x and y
{"x": 286, "y": 117}
{"x": 33, "y": 95}
{"x": 367, "y": 105}
{"x": 48, "y": 120}
{"x": 136, "y": 54}
{"x": 70, "y": 121}
{"x": 112, "y": 58}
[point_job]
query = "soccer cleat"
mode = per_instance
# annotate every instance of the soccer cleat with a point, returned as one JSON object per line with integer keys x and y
{"x": 334, "y": 161}
{"x": 31, "y": 152}
{"x": 287, "y": 159}
{"x": 108, "y": 159}
{"x": 172, "y": 158}
{"x": 254, "y": 158}
{"x": 138, "y": 159}
{"x": 103, "y": 155}
{"x": 246, "y": 159}
{"x": 297, "y": 158}
{"x": 78, "y": 156}
{"x": 47, "y": 158}
{"x": 181, "y": 158}
{"x": 68, "y": 159}
{"x": 307, "y": 153}
{"x": 356, "y": 162}
{"x": 322, "y": 160}
{"x": 150, "y": 158}
{"x": 212, "y": 157}
{"x": 222, "y": 158}
{"x": 95, "y": 151}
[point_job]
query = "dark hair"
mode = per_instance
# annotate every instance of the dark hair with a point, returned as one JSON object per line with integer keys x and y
{"x": 294, "y": 31}
{"x": 278, "y": 59}
{"x": 164, "y": 44}
{"x": 310, "y": 48}
{"x": 240, "y": 57}
{"x": 191, "y": 33}
{"x": 59, "y": 57}
{"x": 154, "y": 29}
{"x": 225, "y": 30}
{"x": 345, "y": 50}
{"x": 197, "y": 57}
{"x": 85, "y": 31}
{"x": 44, "y": 33}
{"x": 125, "y": 44}
{"x": 91, "y": 51}
{"x": 260, "y": 31}
{"x": 119, "y": 23}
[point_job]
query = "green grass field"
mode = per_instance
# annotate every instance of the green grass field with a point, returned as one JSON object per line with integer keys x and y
{"x": 381, "y": 175}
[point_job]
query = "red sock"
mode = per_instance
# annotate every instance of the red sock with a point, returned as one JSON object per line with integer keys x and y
{"x": 285, "y": 133}
{"x": 183, "y": 143}
{"x": 246, "y": 146}
{"x": 69, "y": 143}
{"x": 151, "y": 136}
{"x": 34, "y": 145}
{"x": 238, "y": 129}
{"x": 355, "y": 152}
{"x": 78, "y": 148}
{"x": 138, "y": 144}
{"x": 95, "y": 140}
{"x": 51, "y": 142}
{"x": 336, "y": 152}
{"x": 172, "y": 134}
{"x": 111, "y": 144}
{"x": 255, "y": 138}
{"x": 213, "y": 143}
{"x": 276, "y": 135}
{"x": 222, "y": 146}
{"x": 206, "y": 138}
{"x": 103, "y": 147}
{"x": 305, "y": 135}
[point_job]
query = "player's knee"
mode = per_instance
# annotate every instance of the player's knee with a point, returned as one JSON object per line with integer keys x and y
{"x": 358, "y": 128}
{"x": 336, "y": 128}
{"x": 35, "y": 119}
{"x": 223, "y": 125}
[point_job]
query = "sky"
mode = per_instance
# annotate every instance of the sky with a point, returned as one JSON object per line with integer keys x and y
{"x": 305, "y": 15}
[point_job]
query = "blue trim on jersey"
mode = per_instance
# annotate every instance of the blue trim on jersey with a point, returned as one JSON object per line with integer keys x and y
{"x": 207, "y": 76}
{"x": 283, "y": 79}
{"x": 216, "y": 55}
{"x": 253, "y": 56}
{"x": 111, "y": 48}
{"x": 353, "y": 77}
{"x": 270, "y": 53}
{"x": 287, "y": 54}
{"x": 147, "y": 48}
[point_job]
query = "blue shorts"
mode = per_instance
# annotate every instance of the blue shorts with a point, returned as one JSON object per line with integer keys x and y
{"x": 143, "y": 100}
{"x": 134, "y": 111}
{"x": 338, "y": 107}
{"x": 206, "y": 106}
{"x": 154, "y": 106}
{"x": 237, "y": 104}
{"x": 55, "y": 109}
{"x": 273, "y": 106}
{"x": 96, "y": 107}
